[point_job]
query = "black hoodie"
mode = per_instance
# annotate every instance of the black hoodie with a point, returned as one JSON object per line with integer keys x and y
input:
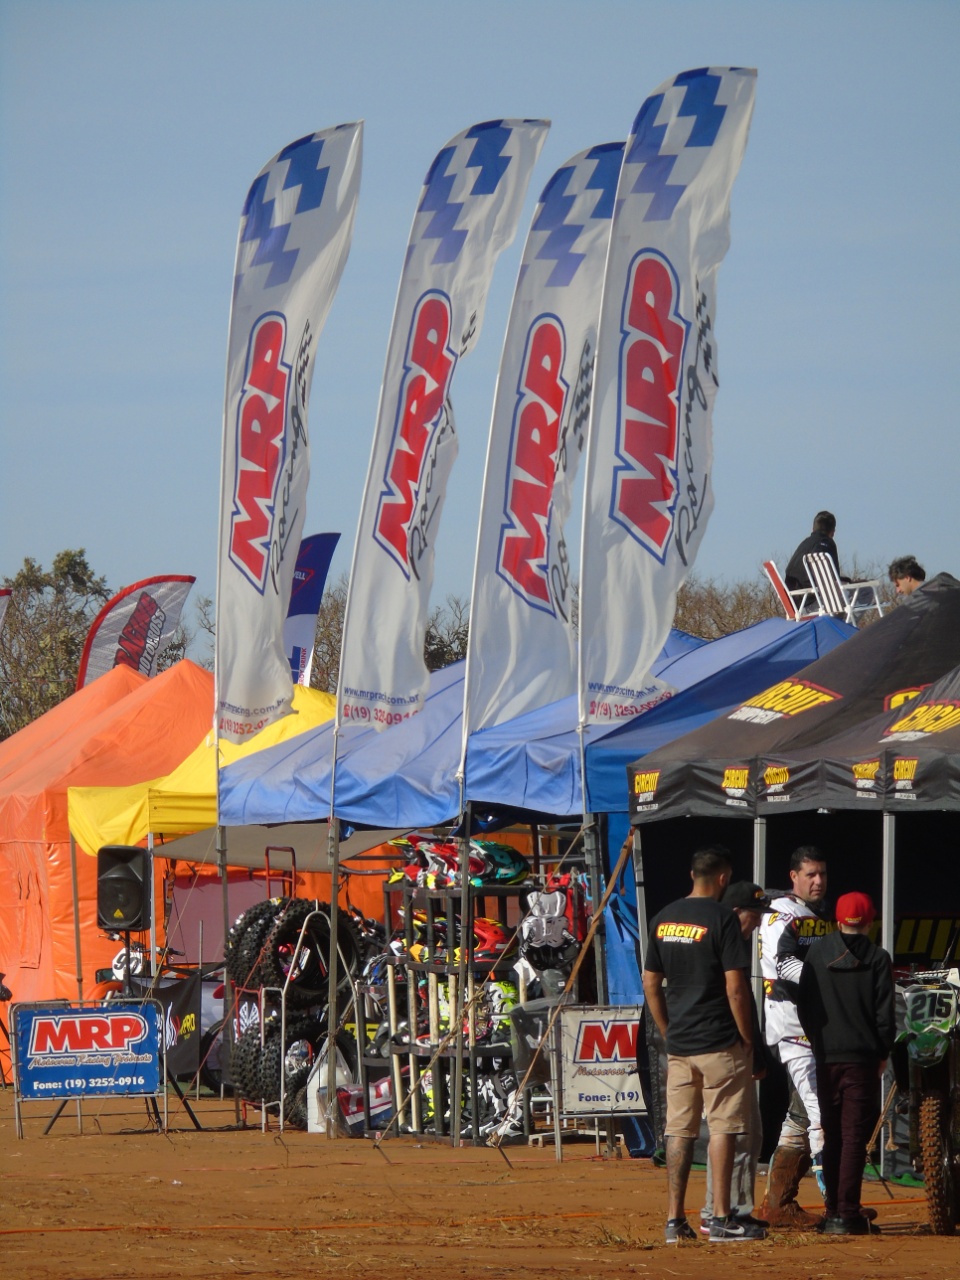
{"x": 846, "y": 1000}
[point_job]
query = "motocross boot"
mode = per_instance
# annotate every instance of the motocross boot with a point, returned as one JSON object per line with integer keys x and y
{"x": 780, "y": 1208}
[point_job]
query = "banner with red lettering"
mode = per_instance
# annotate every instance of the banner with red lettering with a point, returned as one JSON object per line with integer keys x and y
{"x": 647, "y": 494}
{"x": 135, "y": 627}
{"x": 294, "y": 239}
{"x": 521, "y": 651}
{"x": 309, "y": 579}
{"x": 5, "y": 594}
{"x": 468, "y": 213}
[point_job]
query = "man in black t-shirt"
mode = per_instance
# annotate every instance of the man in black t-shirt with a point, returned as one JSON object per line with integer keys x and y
{"x": 696, "y": 988}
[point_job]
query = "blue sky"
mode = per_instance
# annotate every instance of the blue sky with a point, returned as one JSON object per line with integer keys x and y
{"x": 130, "y": 132}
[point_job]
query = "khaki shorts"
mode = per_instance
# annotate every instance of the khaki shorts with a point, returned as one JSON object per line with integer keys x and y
{"x": 715, "y": 1083}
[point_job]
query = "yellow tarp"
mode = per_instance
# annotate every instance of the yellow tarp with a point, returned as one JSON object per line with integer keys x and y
{"x": 186, "y": 799}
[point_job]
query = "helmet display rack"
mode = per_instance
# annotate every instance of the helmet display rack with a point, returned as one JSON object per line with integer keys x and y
{"x": 422, "y": 991}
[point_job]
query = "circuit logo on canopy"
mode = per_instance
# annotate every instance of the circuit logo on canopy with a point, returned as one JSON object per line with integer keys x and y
{"x": 776, "y": 777}
{"x": 926, "y": 719}
{"x": 904, "y": 776}
{"x": 788, "y": 698}
{"x": 735, "y": 780}
{"x": 865, "y": 777}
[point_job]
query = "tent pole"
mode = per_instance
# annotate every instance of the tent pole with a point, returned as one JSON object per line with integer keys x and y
{"x": 333, "y": 848}
{"x": 594, "y": 860}
{"x": 759, "y": 877}
{"x": 889, "y": 872}
{"x": 466, "y": 945}
{"x": 229, "y": 1004}
{"x": 759, "y": 850}
{"x": 641, "y": 892}
{"x": 151, "y": 967}
{"x": 76, "y": 916}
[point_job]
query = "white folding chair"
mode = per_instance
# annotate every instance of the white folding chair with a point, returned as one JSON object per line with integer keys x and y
{"x": 799, "y": 605}
{"x": 842, "y": 599}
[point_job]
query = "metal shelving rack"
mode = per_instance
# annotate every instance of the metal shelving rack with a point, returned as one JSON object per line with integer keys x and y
{"x": 444, "y": 972}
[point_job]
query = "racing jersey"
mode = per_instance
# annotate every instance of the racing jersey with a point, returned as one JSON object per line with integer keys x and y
{"x": 787, "y": 930}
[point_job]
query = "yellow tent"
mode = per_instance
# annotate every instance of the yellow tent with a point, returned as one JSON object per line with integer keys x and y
{"x": 186, "y": 799}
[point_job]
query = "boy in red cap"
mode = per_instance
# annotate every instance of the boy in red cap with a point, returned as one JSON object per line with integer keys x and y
{"x": 846, "y": 1006}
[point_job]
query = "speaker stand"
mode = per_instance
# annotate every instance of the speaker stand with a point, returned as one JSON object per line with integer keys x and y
{"x": 175, "y": 1085}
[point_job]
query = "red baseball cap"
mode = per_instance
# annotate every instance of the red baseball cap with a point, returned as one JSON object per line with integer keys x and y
{"x": 855, "y": 909}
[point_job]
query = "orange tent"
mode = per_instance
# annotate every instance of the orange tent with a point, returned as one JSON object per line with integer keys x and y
{"x": 44, "y": 947}
{"x": 84, "y": 705}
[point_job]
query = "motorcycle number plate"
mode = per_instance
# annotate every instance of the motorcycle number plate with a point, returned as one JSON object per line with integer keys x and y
{"x": 931, "y": 1008}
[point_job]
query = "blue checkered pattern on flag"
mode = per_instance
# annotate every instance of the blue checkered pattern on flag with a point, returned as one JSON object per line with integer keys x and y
{"x": 467, "y": 215}
{"x": 294, "y": 239}
{"x": 521, "y": 650}
{"x": 647, "y": 494}
{"x": 309, "y": 579}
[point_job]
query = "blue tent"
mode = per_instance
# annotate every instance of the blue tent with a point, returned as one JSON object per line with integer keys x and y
{"x": 406, "y": 775}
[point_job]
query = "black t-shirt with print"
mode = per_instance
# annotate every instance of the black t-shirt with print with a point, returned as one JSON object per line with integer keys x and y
{"x": 693, "y": 942}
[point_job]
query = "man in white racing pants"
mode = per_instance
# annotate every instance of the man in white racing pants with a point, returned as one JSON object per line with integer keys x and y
{"x": 791, "y": 925}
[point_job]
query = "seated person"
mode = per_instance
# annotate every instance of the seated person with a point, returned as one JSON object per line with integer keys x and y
{"x": 906, "y": 575}
{"x": 821, "y": 539}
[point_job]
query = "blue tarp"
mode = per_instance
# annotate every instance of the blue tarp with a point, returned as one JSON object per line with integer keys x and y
{"x": 405, "y": 776}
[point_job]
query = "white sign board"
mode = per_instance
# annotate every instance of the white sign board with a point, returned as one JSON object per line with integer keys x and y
{"x": 598, "y": 1060}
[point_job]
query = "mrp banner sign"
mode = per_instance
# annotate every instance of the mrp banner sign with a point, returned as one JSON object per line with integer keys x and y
{"x": 63, "y": 1051}
{"x": 521, "y": 649}
{"x": 598, "y": 1060}
{"x": 649, "y": 452}
{"x": 468, "y": 211}
{"x": 294, "y": 238}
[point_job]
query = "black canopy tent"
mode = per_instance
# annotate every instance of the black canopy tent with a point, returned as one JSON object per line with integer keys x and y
{"x": 751, "y": 762}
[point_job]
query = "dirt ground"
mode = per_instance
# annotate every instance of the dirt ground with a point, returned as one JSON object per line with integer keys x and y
{"x": 122, "y": 1200}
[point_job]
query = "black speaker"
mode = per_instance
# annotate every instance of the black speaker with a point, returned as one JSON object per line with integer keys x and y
{"x": 122, "y": 888}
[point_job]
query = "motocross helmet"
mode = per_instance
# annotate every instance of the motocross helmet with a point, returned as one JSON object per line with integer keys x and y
{"x": 502, "y": 864}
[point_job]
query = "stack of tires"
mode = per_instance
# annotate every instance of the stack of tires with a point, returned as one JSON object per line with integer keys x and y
{"x": 264, "y": 951}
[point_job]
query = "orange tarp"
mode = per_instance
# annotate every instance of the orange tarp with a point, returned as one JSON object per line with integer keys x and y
{"x": 83, "y": 706}
{"x": 143, "y": 735}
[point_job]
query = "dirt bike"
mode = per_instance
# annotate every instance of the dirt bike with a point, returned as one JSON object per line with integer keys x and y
{"x": 930, "y": 1076}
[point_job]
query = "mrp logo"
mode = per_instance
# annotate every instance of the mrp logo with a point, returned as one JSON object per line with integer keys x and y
{"x": 648, "y": 409}
{"x": 523, "y": 555}
{"x": 788, "y": 698}
{"x": 928, "y": 718}
{"x": 606, "y": 1040}
{"x": 261, "y": 422}
{"x": 428, "y": 369}
{"x": 52, "y": 1037}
